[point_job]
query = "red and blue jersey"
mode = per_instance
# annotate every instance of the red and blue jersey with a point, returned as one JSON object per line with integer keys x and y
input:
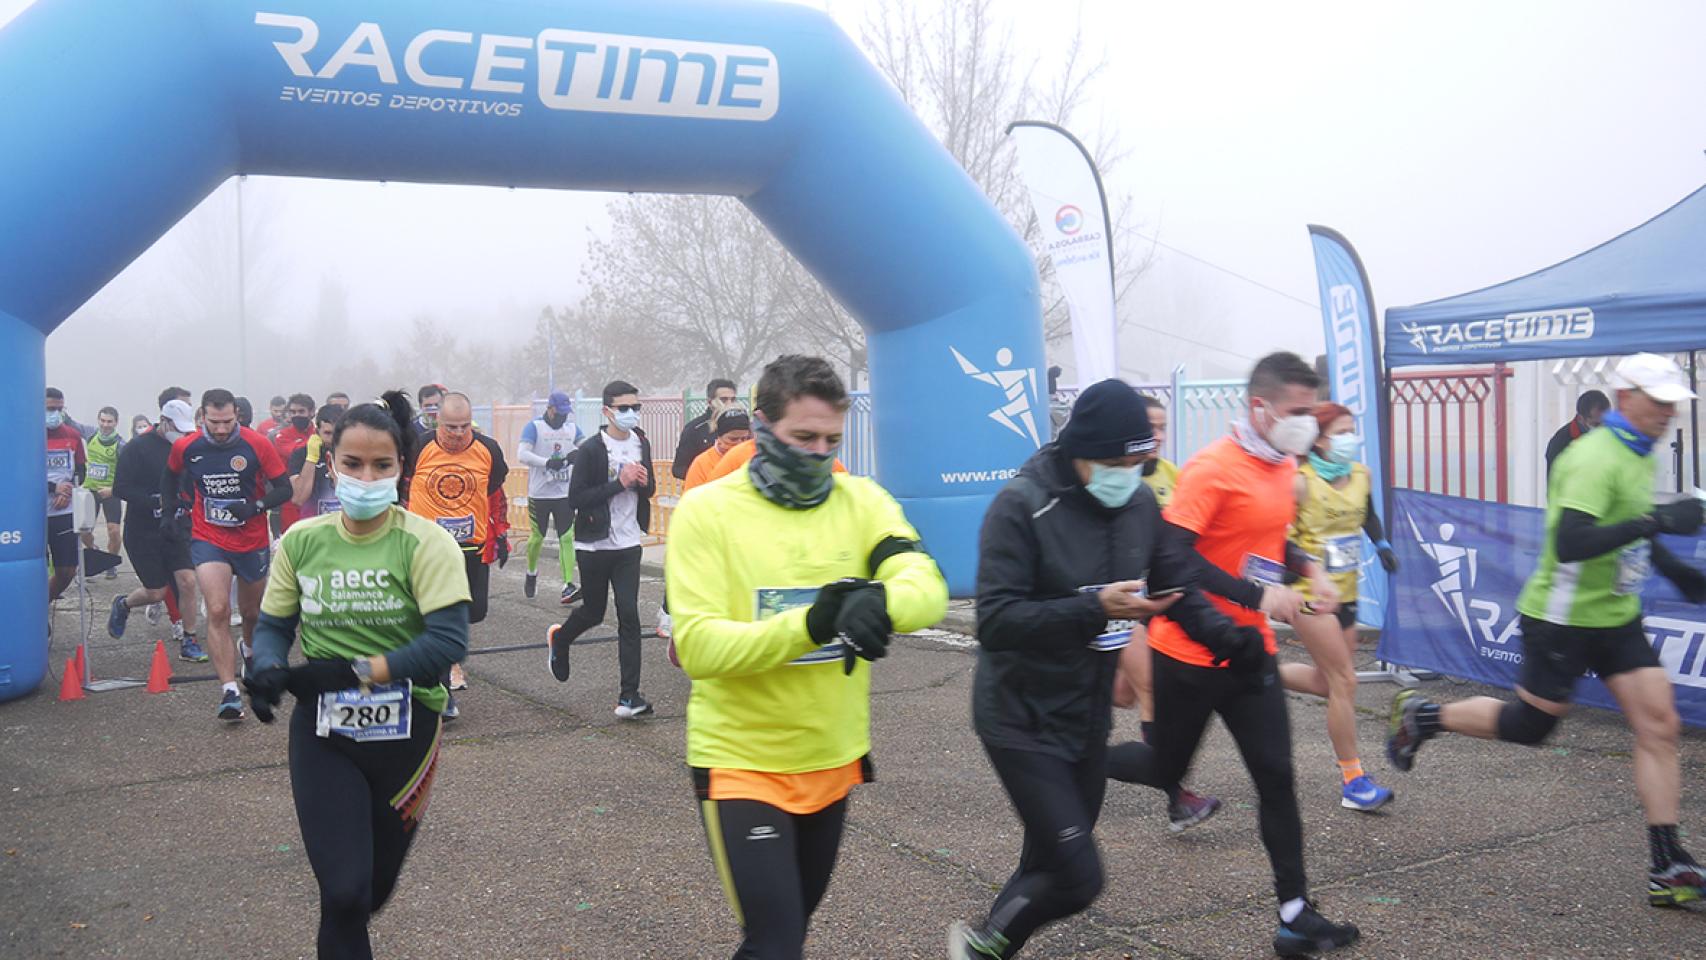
{"x": 216, "y": 477}
{"x": 65, "y": 454}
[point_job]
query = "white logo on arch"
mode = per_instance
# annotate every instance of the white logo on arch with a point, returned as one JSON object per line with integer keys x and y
{"x": 1018, "y": 384}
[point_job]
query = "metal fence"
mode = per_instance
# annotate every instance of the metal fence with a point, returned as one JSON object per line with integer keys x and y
{"x": 1449, "y": 432}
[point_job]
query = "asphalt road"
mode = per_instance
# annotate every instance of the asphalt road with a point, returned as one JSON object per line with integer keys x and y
{"x": 135, "y": 825}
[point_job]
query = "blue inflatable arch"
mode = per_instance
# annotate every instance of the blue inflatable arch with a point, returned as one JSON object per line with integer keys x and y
{"x": 119, "y": 117}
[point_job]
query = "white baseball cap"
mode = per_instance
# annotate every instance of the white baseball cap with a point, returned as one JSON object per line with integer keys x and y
{"x": 1657, "y": 377}
{"x": 181, "y": 414}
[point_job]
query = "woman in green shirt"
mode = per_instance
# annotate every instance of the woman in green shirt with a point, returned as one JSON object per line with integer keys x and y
{"x": 381, "y": 601}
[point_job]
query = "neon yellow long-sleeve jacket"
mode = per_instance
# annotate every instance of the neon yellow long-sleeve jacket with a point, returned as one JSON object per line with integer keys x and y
{"x": 741, "y": 572}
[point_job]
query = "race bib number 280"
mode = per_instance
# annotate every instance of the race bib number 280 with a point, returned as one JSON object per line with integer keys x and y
{"x": 381, "y": 712}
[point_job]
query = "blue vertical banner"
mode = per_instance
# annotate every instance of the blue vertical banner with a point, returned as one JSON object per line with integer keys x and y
{"x": 1358, "y": 382}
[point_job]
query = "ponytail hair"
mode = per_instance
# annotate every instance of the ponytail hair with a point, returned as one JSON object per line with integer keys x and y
{"x": 391, "y": 414}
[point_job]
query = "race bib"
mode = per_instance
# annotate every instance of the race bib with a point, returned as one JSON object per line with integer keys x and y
{"x": 1259, "y": 569}
{"x": 462, "y": 528}
{"x": 99, "y": 471}
{"x": 59, "y": 460}
{"x": 217, "y": 511}
{"x": 330, "y": 505}
{"x": 773, "y": 601}
{"x": 1634, "y": 566}
{"x": 1343, "y": 553}
{"x": 1115, "y": 634}
{"x": 381, "y": 712}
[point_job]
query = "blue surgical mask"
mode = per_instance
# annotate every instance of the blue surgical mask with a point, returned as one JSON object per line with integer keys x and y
{"x": 1113, "y": 486}
{"x": 627, "y": 419}
{"x": 54, "y": 419}
{"x": 366, "y": 499}
{"x": 1344, "y": 447}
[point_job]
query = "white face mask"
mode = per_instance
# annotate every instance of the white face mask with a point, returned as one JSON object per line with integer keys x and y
{"x": 1293, "y": 435}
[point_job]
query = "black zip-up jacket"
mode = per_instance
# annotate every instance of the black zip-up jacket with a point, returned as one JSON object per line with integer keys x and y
{"x": 136, "y": 481}
{"x": 591, "y": 487}
{"x": 696, "y": 438}
{"x": 1039, "y": 685}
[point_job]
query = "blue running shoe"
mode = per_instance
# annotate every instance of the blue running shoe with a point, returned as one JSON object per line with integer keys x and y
{"x": 189, "y": 650}
{"x": 1365, "y": 795}
{"x": 451, "y": 710}
{"x": 117, "y": 616}
{"x": 230, "y": 706}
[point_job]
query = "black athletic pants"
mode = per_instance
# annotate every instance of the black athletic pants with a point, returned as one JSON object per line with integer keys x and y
{"x": 774, "y": 867}
{"x": 1253, "y": 709}
{"x": 1060, "y": 872}
{"x": 358, "y": 805}
{"x": 605, "y": 572}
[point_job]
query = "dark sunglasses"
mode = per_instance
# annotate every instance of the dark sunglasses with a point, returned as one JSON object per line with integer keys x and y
{"x": 626, "y": 407}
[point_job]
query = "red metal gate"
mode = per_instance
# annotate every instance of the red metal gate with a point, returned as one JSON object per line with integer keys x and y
{"x": 1451, "y": 425}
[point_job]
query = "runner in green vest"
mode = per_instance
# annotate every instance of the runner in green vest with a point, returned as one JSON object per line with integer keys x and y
{"x": 102, "y": 450}
{"x": 1581, "y": 611}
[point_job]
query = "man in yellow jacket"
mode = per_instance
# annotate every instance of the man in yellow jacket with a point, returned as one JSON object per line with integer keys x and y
{"x": 785, "y": 579}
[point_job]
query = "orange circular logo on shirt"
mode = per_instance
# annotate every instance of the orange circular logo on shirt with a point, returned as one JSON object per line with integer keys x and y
{"x": 238, "y": 462}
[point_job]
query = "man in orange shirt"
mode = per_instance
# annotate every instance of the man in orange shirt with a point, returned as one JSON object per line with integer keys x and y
{"x": 1233, "y": 505}
{"x": 733, "y": 426}
{"x": 459, "y": 484}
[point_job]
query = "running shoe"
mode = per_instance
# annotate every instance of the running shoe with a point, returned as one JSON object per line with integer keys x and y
{"x": 666, "y": 627}
{"x": 231, "y": 706}
{"x": 1404, "y": 731}
{"x": 154, "y": 611}
{"x": 557, "y": 660}
{"x": 1365, "y": 795}
{"x": 189, "y": 650}
{"x": 1310, "y": 933}
{"x": 248, "y": 654}
{"x": 236, "y": 618}
{"x": 571, "y": 594}
{"x": 1676, "y": 885}
{"x": 451, "y": 710}
{"x": 458, "y": 679}
{"x": 964, "y": 943}
{"x": 530, "y": 586}
{"x": 634, "y": 707}
{"x": 1190, "y": 810}
{"x": 117, "y": 616}
{"x": 112, "y": 573}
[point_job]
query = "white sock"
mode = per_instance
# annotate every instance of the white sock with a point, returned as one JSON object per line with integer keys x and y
{"x": 230, "y": 687}
{"x": 1290, "y": 909}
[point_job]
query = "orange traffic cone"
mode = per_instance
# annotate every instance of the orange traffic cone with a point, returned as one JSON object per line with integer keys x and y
{"x": 160, "y": 670}
{"x": 82, "y": 665}
{"x": 70, "y": 684}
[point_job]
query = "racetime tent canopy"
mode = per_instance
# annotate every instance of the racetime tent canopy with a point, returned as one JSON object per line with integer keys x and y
{"x": 1642, "y": 291}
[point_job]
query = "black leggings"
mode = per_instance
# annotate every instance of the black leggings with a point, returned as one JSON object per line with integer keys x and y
{"x": 616, "y": 572}
{"x": 358, "y": 805}
{"x": 774, "y": 867}
{"x": 1253, "y": 709}
{"x": 1060, "y": 871}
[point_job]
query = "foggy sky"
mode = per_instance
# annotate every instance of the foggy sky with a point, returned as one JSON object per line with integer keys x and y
{"x": 1457, "y": 144}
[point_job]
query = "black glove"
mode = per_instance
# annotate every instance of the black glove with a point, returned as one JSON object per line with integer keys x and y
{"x": 1681, "y": 517}
{"x": 1242, "y": 650}
{"x": 862, "y": 624}
{"x": 1388, "y": 560}
{"x": 266, "y": 688}
{"x": 169, "y": 528}
{"x": 244, "y": 509}
{"x": 321, "y": 676}
{"x": 503, "y": 551}
{"x": 820, "y": 618}
{"x": 555, "y": 463}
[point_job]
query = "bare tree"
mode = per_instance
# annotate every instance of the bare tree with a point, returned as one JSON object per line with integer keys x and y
{"x": 702, "y": 277}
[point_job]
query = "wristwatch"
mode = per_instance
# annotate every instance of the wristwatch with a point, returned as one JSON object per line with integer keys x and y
{"x": 363, "y": 668}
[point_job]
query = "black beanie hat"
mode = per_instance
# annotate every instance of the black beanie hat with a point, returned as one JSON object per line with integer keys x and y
{"x": 1109, "y": 420}
{"x": 732, "y": 419}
